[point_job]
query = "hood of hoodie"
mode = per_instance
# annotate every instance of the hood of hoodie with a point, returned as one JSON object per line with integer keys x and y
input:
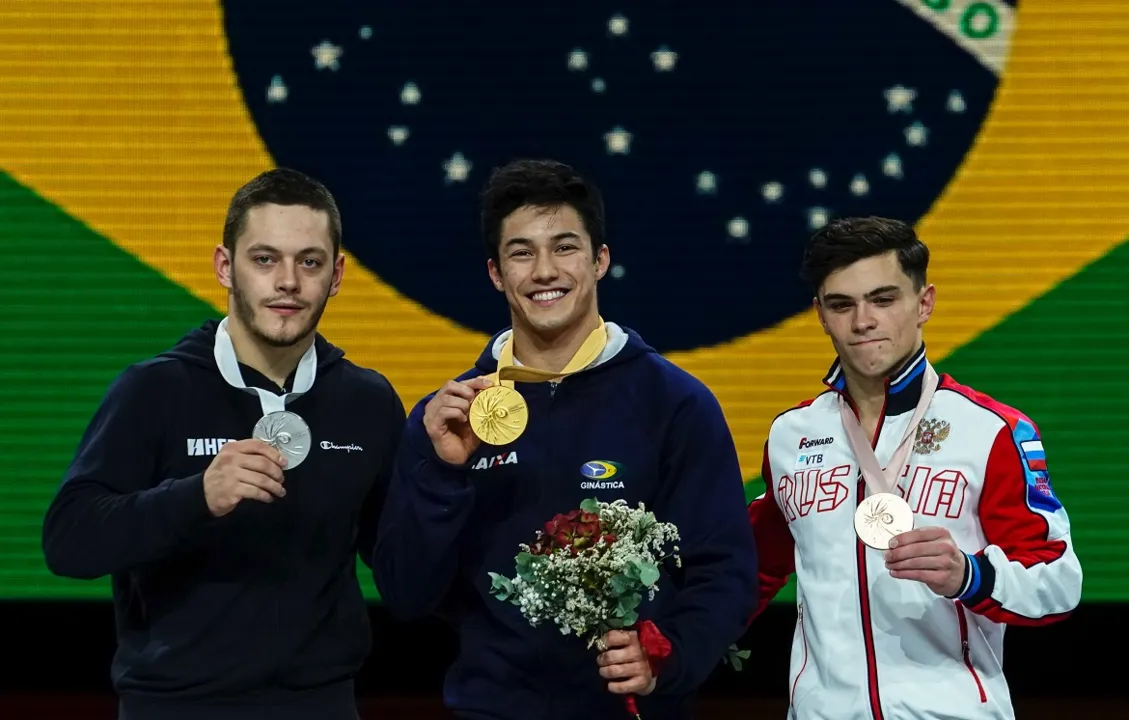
{"x": 624, "y": 345}
{"x": 198, "y": 347}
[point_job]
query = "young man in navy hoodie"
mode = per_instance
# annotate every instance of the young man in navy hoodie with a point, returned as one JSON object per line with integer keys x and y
{"x": 457, "y": 509}
{"x": 233, "y": 566}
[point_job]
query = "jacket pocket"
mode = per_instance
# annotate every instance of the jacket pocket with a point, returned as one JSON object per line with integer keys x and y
{"x": 966, "y": 652}
{"x": 804, "y": 663}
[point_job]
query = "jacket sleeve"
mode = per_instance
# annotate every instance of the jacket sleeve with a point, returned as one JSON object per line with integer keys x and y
{"x": 392, "y": 425}
{"x": 416, "y": 557}
{"x": 776, "y": 548}
{"x": 1028, "y": 574}
{"x": 107, "y": 516}
{"x": 704, "y": 498}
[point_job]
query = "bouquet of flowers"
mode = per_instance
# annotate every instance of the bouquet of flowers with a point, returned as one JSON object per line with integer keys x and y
{"x": 587, "y": 570}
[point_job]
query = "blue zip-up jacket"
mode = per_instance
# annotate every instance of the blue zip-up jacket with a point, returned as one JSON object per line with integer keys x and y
{"x": 445, "y": 527}
{"x": 254, "y": 614}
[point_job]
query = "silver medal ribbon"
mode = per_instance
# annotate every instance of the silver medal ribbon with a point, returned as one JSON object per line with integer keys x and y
{"x": 280, "y": 428}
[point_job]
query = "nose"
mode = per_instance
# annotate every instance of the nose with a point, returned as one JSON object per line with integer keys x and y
{"x": 544, "y": 269}
{"x": 286, "y": 278}
{"x": 865, "y": 319}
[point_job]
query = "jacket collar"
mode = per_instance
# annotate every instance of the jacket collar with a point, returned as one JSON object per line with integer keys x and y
{"x": 903, "y": 386}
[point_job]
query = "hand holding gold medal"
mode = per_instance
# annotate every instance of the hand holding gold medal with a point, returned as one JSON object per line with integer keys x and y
{"x": 498, "y": 414}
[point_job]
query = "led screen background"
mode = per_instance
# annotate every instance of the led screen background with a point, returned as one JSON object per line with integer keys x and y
{"x": 720, "y": 140}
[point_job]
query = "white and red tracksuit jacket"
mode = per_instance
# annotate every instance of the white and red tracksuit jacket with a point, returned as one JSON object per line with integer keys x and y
{"x": 867, "y": 645}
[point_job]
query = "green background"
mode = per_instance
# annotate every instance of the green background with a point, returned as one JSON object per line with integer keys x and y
{"x": 78, "y": 310}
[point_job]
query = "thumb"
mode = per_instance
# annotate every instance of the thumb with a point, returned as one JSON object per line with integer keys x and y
{"x": 481, "y": 382}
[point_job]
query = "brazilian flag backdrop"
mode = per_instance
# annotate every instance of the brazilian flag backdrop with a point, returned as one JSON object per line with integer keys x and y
{"x": 720, "y": 138}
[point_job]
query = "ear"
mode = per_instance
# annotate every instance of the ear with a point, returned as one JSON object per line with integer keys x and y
{"x": 338, "y": 274}
{"x": 925, "y": 306}
{"x": 495, "y": 275}
{"x": 603, "y": 261}
{"x": 221, "y": 259}
{"x": 819, "y": 314}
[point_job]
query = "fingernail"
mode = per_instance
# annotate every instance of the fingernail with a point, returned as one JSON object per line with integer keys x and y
{"x": 888, "y": 555}
{"x": 893, "y": 543}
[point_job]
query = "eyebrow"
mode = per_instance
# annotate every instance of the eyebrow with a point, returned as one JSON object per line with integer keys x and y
{"x": 885, "y": 289}
{"x": 264, "y": 248}
{"x": 566, "y": 235}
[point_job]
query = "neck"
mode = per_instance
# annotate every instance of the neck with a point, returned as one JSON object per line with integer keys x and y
{"x": 554, "y": 352}
{"x": 276, "y": 363}
{"x": 868, "y": 394}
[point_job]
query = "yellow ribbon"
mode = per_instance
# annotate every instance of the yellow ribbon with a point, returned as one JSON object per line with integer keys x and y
{"x": 499, "y": 415}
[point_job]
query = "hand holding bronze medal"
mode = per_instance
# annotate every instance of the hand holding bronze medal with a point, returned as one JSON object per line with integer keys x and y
{"x": 884, "y": 514}
{"x": 286, "y": 432}
{"x": 498, "y": 415}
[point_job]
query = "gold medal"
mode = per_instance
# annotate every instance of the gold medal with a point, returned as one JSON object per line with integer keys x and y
{"x": 498, "y": 414}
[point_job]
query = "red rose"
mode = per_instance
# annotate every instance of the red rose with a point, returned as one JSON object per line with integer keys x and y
{"x": 609, "y": 538}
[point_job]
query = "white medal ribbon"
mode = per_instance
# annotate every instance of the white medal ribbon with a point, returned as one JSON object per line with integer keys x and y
{"x": 229, "y": 368}
{"x": 881, "y": 480}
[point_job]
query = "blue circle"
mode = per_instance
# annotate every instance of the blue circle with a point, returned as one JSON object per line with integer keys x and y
{"x": 759, "y": 93}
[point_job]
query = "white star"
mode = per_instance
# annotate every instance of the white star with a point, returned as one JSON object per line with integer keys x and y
{"x": 277, "y": 91}
{"x": 618, "y": 271}
{"x": 892, "y": 166}
{"x": 899, "y": 99}
{"x": 618, "y": 141}
{"x": 664, "y": 59}
{"x": 818, "y": 178}
{"x": 366, "y": 32}
{"x": 772, "y": 191}
{"x": 410, "y": 94}
{"x": 738, "y": 228}
{"x": 817, "y": 218}
{"x": 577, "y": 60}
{"x": 859, "y": 185}
{"x": 398, "y": 134}
{"x": 617, "y": 25}
{"x": 326, "y": 55}
{"x": 458, "y": 168}
{"x": 956, "y": 102}
{"x": 707, "y": 183}
{"x": 916, "y": 134}
{"x": 598, "y": 85}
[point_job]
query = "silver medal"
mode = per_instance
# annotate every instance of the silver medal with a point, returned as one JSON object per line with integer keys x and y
{"x": 286, "y": 432}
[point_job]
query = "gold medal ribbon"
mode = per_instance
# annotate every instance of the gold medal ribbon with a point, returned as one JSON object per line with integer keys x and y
{"x": 498, "y": 415}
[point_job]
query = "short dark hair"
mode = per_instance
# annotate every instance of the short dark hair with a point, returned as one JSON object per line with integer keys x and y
{"x": 281, "y": 186}
{"x": 539, "y": 183}
{"x": 845, "y": 241}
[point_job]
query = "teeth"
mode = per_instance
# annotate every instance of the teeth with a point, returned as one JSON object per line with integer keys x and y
{"x": 548, "y": 295}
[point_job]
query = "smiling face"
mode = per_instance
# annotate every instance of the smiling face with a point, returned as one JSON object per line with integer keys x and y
{"x": 281, "y": 273}
{"x": 873, "y": 315}
{"x": 547, "y": 270}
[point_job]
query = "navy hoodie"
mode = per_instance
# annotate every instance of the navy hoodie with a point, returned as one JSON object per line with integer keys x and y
{"x": 258, "y": 611}
{"x": 446, "y": 527}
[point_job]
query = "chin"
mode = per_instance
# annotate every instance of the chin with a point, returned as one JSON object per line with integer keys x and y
{"x": 281, "y": 337}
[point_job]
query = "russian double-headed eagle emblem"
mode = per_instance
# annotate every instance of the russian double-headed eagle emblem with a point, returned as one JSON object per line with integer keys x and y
{"x": 930, "y": 435}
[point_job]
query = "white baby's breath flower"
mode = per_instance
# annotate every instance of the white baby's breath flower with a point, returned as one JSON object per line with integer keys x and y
{"x": 576, "y": 592}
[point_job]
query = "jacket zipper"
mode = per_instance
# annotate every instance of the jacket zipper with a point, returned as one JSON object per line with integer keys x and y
{"x": 804, "y": 664}
{"x": 966, "y": 652}
{"x": 864, "y": 588}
